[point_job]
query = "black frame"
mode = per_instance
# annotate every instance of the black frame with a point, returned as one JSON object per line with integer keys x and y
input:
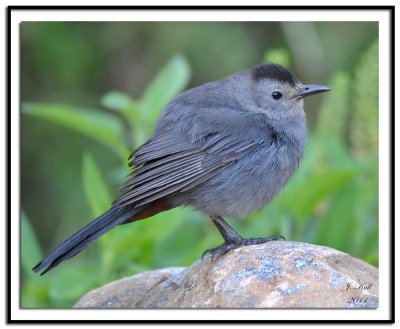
{"x": 9, "y": 11}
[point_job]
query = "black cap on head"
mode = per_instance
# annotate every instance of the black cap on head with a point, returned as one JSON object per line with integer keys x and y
{"x": 273, "y": 72}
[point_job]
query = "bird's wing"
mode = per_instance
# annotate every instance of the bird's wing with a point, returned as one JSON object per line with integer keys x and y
{"x": 165, "y": 165}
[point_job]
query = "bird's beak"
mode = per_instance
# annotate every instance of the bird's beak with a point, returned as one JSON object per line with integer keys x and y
{"x": 308, "y": 90}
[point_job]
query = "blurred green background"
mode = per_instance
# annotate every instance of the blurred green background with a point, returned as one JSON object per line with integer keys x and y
{"x": 91, "y": 93}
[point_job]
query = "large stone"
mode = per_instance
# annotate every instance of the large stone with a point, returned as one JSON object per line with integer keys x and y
{"x": 277, "y": 274}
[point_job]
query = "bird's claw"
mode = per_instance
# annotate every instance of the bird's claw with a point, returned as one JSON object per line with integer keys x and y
{"x": 227, "y": 246}
{"x": 221, "y": 249}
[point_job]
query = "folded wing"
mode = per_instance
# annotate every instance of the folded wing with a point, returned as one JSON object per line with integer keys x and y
{"x": 166, "y": 165}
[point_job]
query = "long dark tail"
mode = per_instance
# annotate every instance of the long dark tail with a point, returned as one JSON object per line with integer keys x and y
{"x": 81, "y": 239}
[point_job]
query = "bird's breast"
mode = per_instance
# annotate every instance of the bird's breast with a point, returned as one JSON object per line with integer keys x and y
{"x": 248, "y": 184}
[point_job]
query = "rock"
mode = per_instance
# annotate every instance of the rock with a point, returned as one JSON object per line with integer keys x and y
{"x": 277, "y": 274}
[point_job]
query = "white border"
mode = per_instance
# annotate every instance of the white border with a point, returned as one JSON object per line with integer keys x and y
{"x": 125, "y": 15}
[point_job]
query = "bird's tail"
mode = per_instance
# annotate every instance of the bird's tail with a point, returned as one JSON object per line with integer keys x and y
{"x": 81, "y": 239}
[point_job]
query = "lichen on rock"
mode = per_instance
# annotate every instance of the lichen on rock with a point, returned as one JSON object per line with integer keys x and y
{"x": 278, "y": 274}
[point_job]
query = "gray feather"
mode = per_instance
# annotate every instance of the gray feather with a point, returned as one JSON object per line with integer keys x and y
{"x": 173, "y": 171}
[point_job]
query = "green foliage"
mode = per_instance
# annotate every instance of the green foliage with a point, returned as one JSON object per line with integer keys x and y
{"x": 142, "y": 114}
{"x": 332, "y": 200}
{"x": 34, "y": 291}
{"x": 171, "y": 80}
{"x": 30, "y": 248}
{"x": 115, "y": 250}
{"x": 364, "y": 127}
{"x": 351, "y": 111}
{"x": 278, "y": 56}
{"x": 317, "y": 188}
{"x": 96, "y": 190}
{"x": 96, "y": 124}
{"x": 333, "y": 117}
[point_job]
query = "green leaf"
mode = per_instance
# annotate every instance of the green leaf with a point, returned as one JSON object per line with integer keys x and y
{"x": 278, "y": 56}
{"x": 117, "y": 101}
{"x": 333, "y": 116}
{"x": 335, "y": 153}
{"x": 337, "y": 228}
{"x": 34, "y": 289}
{"x": 365, "y": 108}
{"x": 100, "y": 126}
{"x": 169, "y": 250}
{"x": 129, "y": 109}
{"x": 72, "y": 282}
{"x": 95, "y": 187}
{"x": 303, "y": 200}
{"x": 171, "y": 80}
{"x": 30, "y": 249}
{"x": 372, "y": 258}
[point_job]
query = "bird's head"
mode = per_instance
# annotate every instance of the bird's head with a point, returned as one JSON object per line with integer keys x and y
{"x": 278, "y": 92}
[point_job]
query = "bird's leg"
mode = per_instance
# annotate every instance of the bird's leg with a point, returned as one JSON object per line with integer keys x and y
{"x": 232, "y": 239}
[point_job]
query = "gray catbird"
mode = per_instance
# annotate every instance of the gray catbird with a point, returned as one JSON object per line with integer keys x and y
{"x": 225, "y": 148}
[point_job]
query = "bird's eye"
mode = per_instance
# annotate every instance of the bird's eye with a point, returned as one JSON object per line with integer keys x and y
{"x": 276, "y": 95}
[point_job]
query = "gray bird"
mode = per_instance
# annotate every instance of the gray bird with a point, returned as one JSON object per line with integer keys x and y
{"x": 225, "y": 148}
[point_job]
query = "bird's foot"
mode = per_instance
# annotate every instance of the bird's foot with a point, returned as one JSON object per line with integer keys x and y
{"x": 238, "y": 242}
